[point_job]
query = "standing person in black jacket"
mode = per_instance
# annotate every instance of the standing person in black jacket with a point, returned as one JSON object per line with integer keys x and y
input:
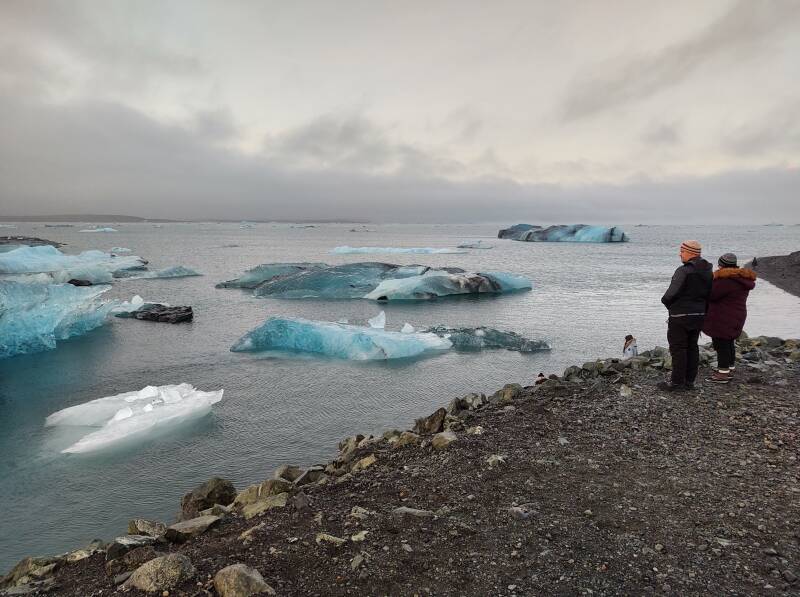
{"x": 687, "y": 299}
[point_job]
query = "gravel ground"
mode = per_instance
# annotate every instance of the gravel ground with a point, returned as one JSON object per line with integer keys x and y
{"x": 604, "y": 486}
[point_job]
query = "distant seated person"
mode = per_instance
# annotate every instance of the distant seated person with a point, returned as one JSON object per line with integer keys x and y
{"x": 630, "y": 349}
{"x": 540, "y": 379}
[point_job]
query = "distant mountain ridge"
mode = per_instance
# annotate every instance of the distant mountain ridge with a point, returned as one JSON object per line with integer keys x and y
{"x": 111, "y": 218}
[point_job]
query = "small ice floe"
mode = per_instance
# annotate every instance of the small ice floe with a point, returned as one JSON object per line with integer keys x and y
{"x": 120, "y": 250}
{"x": 477, "y": 244}
{"x": 408, "y": 328}
{"x": 133, "y": 416}
{"x": 106, "y": 229}
{"x": 379, "y": 321}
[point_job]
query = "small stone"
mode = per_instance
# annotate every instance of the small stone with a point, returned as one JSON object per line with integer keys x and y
{"x": 257, "y": 508}
{"x": 659, "y": 547}
{"x": 213, "y": 491}
{"x": 326, "y": 538}
{"x": 563, "y": 441}
{"x": 356, "y": 562}
{"x": 182, "y": 531}
{"x": 407, "y": 547}
{"x": 625, "y": 391}
{"x": 248, "y": 535}
{"x": 443, "y": 440}
{"x": 406, "y": 513}
{"x": 140, "y": 526}
{"x": 521, "y": 512}
{"x": 359, "y": 513}
{"x": 789, "y": 576}
{"x": 364, "y": 463}
{"x": 476, "y": 430}
{"x": 161, "y": 573}
{"x": 359, "y": 537}
{"x": 496, "y": 460}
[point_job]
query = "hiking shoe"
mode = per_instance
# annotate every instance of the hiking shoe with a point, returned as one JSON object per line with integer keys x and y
{"x": 720, "y": 377}
{"x": 671, "y": 387}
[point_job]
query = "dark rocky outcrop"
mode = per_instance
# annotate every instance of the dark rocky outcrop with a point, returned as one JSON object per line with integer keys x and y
{"x": 213, "y": 491}
{"x": 781, "y": 270}
{"x": 77, "y": 282}
{"x": 31, "y": 241}
{"x": 160, "y": 313}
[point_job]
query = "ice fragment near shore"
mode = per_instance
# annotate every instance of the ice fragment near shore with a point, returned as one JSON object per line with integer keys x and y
{"x": 338, "y": 340}
{"x": 346, "y": 250}
{"x": 133, "y": 416}
{"x": 33, "y": 317}
{"x": 95, "y": 266}
{"x": 482, "y": 337}
{"x": 576, "y": 233}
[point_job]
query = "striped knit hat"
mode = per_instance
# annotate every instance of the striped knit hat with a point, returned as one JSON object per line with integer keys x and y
{"x": 691, "y": 246}
{"x": 727, "y": 260}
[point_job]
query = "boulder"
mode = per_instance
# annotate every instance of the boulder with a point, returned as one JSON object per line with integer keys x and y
{"x": 122, "y": 545}
{"x": 407, "y": 438}
{"x": 347, "y": 446}
{"x": 161, "y": 574}
{"x": 364, "y": 463}
{"x": 213, "y": 491}
{"x": 312, "y": 475}
{"x": 405, "y": 513}
{"x": 94, "y": 547}
{"x": 261, "y": 506}
{"x": 162, "y": 313}
{"x": 508, "y": 393}
{"x": 184, "y": 530}
{"x": 77, "y": 282}
{"x": 140, "y": 526}
{"x": 131, "y": 560}
{"x": 288, "y": 472}
{"x": 27, "y": 570}
{"x": 443, "y": 440}
{"x": 431, "y": 424}
{"x": 259, "y": 491}
{"x": 238, "y": 580}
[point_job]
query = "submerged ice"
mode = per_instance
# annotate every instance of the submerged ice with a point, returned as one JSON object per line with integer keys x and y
{"x": 577, "y": 233}
{"x": 338, "y": 340}
{"x": 177, "y": 271}
{"x": 133, "y": 416}
{"x": 33, "y": 317}
{"x": 372, "y": 280}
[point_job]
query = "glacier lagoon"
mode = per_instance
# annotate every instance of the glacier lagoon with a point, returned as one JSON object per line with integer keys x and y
{"x": 572, "y": 233}
{"x": 295, "y": 411}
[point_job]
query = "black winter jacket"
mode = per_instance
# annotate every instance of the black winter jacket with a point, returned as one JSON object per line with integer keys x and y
{"x": 690, "y": 288}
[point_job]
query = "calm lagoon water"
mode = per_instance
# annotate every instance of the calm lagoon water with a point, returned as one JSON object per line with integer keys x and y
{"x": 278, "y": 411}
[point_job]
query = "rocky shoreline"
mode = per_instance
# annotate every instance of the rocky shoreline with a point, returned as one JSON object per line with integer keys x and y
{"x": 593, "y": 482}
{"x": 781, "y": 270}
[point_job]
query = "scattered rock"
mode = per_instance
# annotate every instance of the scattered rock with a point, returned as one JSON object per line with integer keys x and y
{"x": 238, "y": 580}
{"x": 182, "y": 531}
{"x": 94, "y": 547}
{"x": 443, "y": 440}
{"x": 431, "y": 424}
{"x": 261, "y": 491}
{"x": 312, "y": 475}
{"x": 326, "y": 538}
{"x": 162, "y": 313}
{"x": 261, "y": 506}
{"x": 288, "y": 472}
{"x": 405, "y": 513}
{"x": 29, "y": 569}
{"x": 496, "y": 460}
{"x": 507, "y": 394}
{"x": 248, "y": 535}
{"x": 407, "y": 438}
{"x": 161, "y": 573}
{"x": 364, "y": 463}
{"x": 131, "y": 560}
{"x": 140, "y": 526}
{"x": 122, "y": 545}
{"x": 522, "y": 511}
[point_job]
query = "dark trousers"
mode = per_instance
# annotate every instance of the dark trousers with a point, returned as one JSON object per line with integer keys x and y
{"x": 682, "y": 335}
{"x": 726, "y": 352}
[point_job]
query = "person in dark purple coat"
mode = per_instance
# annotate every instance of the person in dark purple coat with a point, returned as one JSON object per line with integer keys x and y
{"x": 727, "y": 311}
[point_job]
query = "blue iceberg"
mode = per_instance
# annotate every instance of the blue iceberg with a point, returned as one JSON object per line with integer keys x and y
{"x": 575, "y": 233}
{"x": 261, "y": 273}
{"x": 106, "y": 229}
{"x": 346, "y": 250}
{"x": 372, "y": 280}
{"x": 338, "y": 340}
{"x": 33, "y": 317}
{"x": 177, "y": 271}
{"x": 95, "y": 266}
{"x": 133, "y": 416}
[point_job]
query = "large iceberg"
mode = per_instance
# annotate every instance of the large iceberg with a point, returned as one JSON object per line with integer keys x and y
{"x": 261, "y": 273}
{"x": 482, "y": 337}
{"x": 371, "y": 280}
{"x": 338, "y": 340}
{"x": 576, "y": 233}
{"x": 133, "y": 416}
{"x": 346, "y": 250}
{"x": 33, "y": 317}
{"x": 95, "y": 266}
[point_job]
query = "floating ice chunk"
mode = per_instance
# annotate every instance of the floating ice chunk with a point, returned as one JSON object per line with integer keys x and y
{"x": 576, "y": 233}
{"x": 407, "y": 328}
{"x": 372, "y": 280}
{"x": 482, "y": 337}
{"x": 262, "y": 273}
{"x": 8, "y": 225}
{"x": 129, "y": 306}
{"x": 33, "y": 317}
{"x": 25, "y": 259}
{"x": 177, "y": 271}
{"x": 345, "y": 250}
{"x": 133, "y": 416}
{"x": 478, "y": 244}
{"x": 379, "y": 321}
{"x": 439, "y": 283}
{"x": 120, "y": 250}
{"x": 106, "y": 229}
{"x": 338, "y": 340}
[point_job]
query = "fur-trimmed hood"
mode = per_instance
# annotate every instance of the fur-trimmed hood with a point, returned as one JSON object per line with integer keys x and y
{"x": 734, "y": 272}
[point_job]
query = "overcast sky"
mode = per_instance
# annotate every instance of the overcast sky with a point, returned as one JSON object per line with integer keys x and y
{"x": 571, "y": 111}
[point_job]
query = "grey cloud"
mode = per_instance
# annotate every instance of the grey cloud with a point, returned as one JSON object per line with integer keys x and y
{"x": 779, "y": 130}
{"x": 661, "y": 134}
{"x": 104, "y": 158}
{"x": 747, "y": 24}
